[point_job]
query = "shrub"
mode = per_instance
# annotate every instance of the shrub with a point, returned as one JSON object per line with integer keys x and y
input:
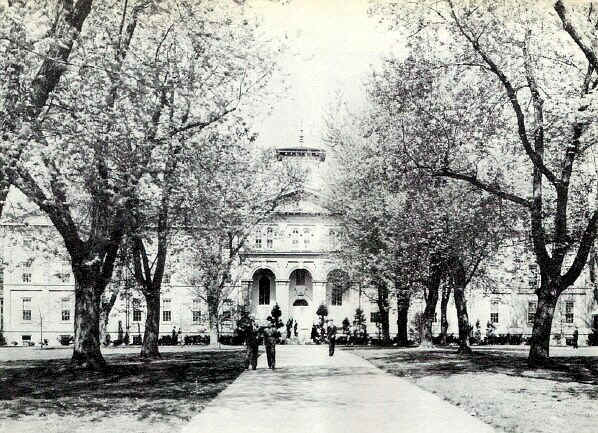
{"x": 2, "y": 339}
{"x": 593, "y": 338}
{"x": 65, "y": 340}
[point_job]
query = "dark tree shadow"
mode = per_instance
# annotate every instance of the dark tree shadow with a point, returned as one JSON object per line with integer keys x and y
{"x": 176, "y": 386}
{"x": 513, "y": 362}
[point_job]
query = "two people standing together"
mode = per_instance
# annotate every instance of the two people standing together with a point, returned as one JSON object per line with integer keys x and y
{"x": 269, "y": 334}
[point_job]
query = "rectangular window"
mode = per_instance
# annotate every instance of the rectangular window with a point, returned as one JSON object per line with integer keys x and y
{"x": 196, "y": 311}
{"x": 269, "y": 244}
{"x": 27, "y": 309}
{"x": 26, "y": 277}
{"x": 306, "y": 237}
{"x": 258, "y": 242}
{"x": 264, "y": 294}
{"x": 65, "y": 304}
{"x": 531, "y": 311}
{"x": 166, "y": 279}
{"x": 295, "y": 236}
{"x": 136, "y": 315}
{"x": 533, "y": 275}
{"x": 337, "y": 296}
{"x": 569, "y": 311}
{"x": 375, "y": 316}
{"x": 494, "y": 311}
{"x": 27, "y": 242}
{"x": 166, "y": 313}
{"x": 435, "y": 319}
{"x": 300, "y": 277}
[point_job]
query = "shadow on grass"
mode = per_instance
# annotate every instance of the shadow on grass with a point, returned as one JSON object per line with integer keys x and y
{"x": 177, "y": 386}
{"x": 444, "y": 362}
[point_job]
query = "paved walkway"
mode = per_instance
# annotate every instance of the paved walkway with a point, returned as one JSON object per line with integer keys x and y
{"x": 309, "y": 392}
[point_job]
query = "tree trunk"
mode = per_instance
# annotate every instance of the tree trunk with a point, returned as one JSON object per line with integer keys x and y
{"x": 105, "y": 309}
{"x": 213, "y": 322}
{"x": 462, "y": 318}
{"x": 403, "y": 298}
{"x": 445, "y": 296}
{"x": 429, "y": 311}
{"x": 149, "y": 349}
{"x": 540, "y": 342}
{"x": 86, "y": 349}
{"x": 385, "y": 326}
{"x": 383, "y": 311}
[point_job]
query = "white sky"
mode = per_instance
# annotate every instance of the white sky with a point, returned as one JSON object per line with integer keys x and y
{"x": 332, "y": 45}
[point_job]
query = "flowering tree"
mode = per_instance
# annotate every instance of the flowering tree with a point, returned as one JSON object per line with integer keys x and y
{"x": 107, "y": 112}
{"x": 501, "y": 96}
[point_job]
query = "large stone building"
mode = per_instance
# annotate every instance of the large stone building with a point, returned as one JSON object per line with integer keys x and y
{"x": 288, "y": 261}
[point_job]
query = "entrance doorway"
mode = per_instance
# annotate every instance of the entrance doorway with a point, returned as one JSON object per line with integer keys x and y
{"x": 302, "y": 313}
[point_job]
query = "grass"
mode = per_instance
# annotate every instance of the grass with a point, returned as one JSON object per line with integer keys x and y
{"x": 498, "y": 387}
{"x": 131, "y": 395}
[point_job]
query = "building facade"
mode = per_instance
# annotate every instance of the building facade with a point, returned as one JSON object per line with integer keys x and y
{"x": 289, "y": 261}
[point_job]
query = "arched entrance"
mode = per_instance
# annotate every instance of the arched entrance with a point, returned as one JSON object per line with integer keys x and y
{"x": 263, "y": 294}
{"x": 301, "y": 299}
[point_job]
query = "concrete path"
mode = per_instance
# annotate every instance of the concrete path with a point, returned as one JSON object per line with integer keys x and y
{"x": 309, "y": 392}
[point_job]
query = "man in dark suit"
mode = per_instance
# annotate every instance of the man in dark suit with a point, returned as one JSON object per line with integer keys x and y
{"x": 271, "y": 335}
{"x": 331, "y": 334}
{"x": 252, "y": 344}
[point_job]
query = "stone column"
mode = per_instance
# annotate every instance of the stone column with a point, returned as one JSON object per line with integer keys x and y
{"x": 319, "y": 293}
{"x": 282, "y": 298}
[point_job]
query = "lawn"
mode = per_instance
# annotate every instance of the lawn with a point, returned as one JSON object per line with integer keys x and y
{"x": 130, "y": 396}
{"x": 499, "y": 388}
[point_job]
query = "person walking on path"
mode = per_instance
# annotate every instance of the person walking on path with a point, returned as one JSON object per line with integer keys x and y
{"x": 271, "y": 336}
{"x": 575, "y": 338}
{"x": 252, "y": 344}
{"x": 331, "y": 337}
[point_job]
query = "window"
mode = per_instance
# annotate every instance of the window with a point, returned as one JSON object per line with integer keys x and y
{"x": 494, "y": 312}
{"x": 435, "y": 318}
{"x": 337, "y": 296}
{"x": 569, "y": 311}
{"x": 533, "y": 275}
{"x": 269, "y": 238}
{"x": 166, "y": 279}
{"x": 136, "y": 310}
{"x": 166, "y": 313}
{"x": 26, "y": 308}
{"x": 196, "y": 311}
{"x": 26, "y": 277}
{"x": 306, "y": 237}
{"x": 295, "y": 236}
{"x": 27, "y": 242}
{"x": 65, "y": 304}
{"x": 264, "y": 291}
{"x": 300, "y": 277}
{"x": 375, "y": 317}
{"x": 258, "y": 238}
{"x": 531, "y": 311}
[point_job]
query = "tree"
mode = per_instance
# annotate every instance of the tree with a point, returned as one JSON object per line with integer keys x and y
{"x": 52, "y": 33}
{"x": 234, "y": 191}
{"x": 503, "y": 99}
{"x": 322, "y": 311}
